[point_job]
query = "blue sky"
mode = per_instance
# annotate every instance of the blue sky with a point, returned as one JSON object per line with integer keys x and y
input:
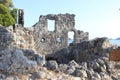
{"x": 101, "y": 18}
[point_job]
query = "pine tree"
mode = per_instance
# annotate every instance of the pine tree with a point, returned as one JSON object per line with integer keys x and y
{"x": 6, "y": 19}
{"x": 7, "y": 3}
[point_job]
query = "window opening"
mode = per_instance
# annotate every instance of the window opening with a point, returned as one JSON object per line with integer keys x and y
{"x": 70, "y": 37}
{"x": 51, "y": 25}
{"x": 59, "y": 39}
{"x": 42, "y": 40}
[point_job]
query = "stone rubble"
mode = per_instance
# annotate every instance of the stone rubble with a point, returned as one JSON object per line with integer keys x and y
{"x": 5, "y": 38}
{"x": 93, "y": 61}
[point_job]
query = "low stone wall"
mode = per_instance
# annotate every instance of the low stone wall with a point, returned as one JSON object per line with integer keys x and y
{"x": 22, "y": 37}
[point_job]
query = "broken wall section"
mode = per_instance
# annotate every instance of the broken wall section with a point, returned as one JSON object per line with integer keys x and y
{"x": 23, "y": 38}
{"x": 48, "y": 42}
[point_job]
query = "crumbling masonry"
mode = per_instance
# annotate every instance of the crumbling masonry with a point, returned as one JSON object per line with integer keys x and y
{"x": 48, "y": 42}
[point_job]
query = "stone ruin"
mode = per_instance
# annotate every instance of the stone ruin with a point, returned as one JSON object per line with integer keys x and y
{"x": 21, "y": 17}
{"x": 43, "y": 41}
{"x": 86, "y": 60}
{"x": 48, "y": 42}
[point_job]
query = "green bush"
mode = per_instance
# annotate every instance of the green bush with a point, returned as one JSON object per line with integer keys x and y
{"x": 3, "y": 9}
{"x": 14, "y": 14}
{"x": 6, "y": 18}
{"x": 7, "y": 3}
{"x": 1, "y": 19}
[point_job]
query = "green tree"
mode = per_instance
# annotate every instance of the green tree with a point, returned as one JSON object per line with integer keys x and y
{"x": 3, "y": 9}
{"x": 7, "y": 3}
{"x": 6, "y": 18}
{"x": 1, "y": 18}
{"x": 8, "y": 14}
{"x": 14, "y": 14}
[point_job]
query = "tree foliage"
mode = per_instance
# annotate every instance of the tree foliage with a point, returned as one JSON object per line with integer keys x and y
{"x": 7, "y": 3}
{"x": 1, "y": 18}
{"x": 6, "y": 18}
{"x": 3, "y": 9}
{"x": 14, "y": 14}
{"x": 8, "y": 14}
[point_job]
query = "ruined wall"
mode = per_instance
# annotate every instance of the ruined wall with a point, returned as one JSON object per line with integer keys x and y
{"x": 80, "y": 36}
{"x": 43, "y": 41}
{"x": 48, "y": 42}
{"x": 22, "y": 37}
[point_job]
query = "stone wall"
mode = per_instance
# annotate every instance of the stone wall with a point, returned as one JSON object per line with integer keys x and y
{"x": 48, "y": 42}
{"x": 22, "y": 37}
{"x": 43, "y": 41}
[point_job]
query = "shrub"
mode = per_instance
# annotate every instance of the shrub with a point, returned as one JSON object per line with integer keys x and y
{"x": 1, "y": 19}
{"x": 14, "y": 14}
{"x": 3, "y": 9}
{"x": 6, "y": 18}
{"x": 7, "y": 3}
